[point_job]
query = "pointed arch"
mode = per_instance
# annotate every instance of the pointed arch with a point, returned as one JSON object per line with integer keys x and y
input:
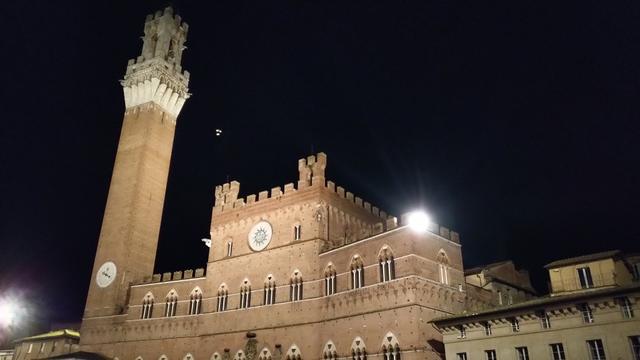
{"x": 330, "y": 279}
{"x": 386, "y": 264}
{"x": 358, "y": 349}
{"x": 357, "y": 272}
{"x": 443, "y": 266}
{"x": 269, "y": 297}
{"x": 239, "y": 355}
{"x": 188, "y": 356}
{"x": 195, "y": 301}
{"x": 139, "y": 358}
{"x": 163, "y": 357}
{"x": 215, "y": 356}
{"x": 223, "y": 295}
{"x": 294, "y": 353}
{"x": 171, "y": 303}
{"x": 245, "y": 294}
{"x": 296, "y": 284}
{"x": 147, "y": 306}
{"x": 329, "y": 351}
{"x": 442, "y": 257}
{"x": 264, "y": 354}
{"x": 390, "y": 347}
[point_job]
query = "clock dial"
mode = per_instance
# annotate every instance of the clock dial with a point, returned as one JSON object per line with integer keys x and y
{"x": 106, "y": 274}
{"x": 260, "y": 236}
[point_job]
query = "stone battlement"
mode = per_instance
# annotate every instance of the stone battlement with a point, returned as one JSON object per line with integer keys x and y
{"x": 173, "y": 276}
{"x": 312, "y": 174}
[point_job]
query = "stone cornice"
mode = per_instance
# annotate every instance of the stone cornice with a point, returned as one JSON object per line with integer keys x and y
{"x": 155, "y": 81}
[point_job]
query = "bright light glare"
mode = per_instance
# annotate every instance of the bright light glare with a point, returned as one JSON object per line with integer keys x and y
{"x": 419, "y": 221}
{"x": 8, "y": 313}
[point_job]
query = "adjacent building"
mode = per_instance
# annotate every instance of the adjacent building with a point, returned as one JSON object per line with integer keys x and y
{"x": 47, "y": 345}
{"x": 591, "y": 313}
{"x": 497, "y": 284}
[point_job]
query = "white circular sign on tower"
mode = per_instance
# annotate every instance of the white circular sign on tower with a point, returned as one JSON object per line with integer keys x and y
{"x": 106, "y": 274}
{"x": 260, "y": 236}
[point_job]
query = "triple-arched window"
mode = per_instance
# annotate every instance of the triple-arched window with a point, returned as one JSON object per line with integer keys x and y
{"x": 390, "y": 347}
{"x": 358, "y": 349}
{"x": 357, "y": 272}
{"x": 171, "y": 303}
{"x": 223, "y": 295}
{"x": 269, "y": 297}
{"x": 195, "y": 302}
{"x": 329, "y": 352}
{"x": 264, "y": 354}
{"x": 147, "y": 306}
{"x": 294, "y": 353}
{"x": 330, "y": 278}
{"x": 295, "y": 293}
{"x": 245, "y": 294}
{"x": 386, "y": 264}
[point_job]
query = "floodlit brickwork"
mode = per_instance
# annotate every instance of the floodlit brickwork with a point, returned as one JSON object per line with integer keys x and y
{"x": 304, "y": 271}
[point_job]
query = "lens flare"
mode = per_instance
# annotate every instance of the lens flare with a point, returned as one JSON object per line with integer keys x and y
{"x": 419, "y": 221}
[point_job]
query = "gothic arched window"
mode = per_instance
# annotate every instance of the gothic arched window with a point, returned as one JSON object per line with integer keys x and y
{"x": 357, "y": 272}
{"x": 269, "y": 297}
{"x": 171, "y": 303}
{"x": 147, "y": 306}
{"x": 358, "y": 349}
{"x": 245, "y": 294}
{"x": 239, "y": 355}
{"x": 386, "y": 264}
{"x": 443, "y": 267}
{"x": 295, "y": 293}
{"x": 390, "y": 347}
{"x": 294, "y": 353}
{"x": 223, "y": 295}
{"x": 264, "y": 354}
{"x": 195, "y": 301}
{"x": 329, "y": 352}
{"x": 330, "y": 277}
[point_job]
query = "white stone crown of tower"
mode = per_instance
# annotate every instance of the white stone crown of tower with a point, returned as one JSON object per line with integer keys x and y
{"x": 156, "y": 75}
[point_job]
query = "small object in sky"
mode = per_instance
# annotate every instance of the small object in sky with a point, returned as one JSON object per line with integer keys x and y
{"x": 218, "y": 132}
{"x": 207, "y": 242}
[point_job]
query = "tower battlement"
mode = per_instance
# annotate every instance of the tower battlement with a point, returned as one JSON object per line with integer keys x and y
{"x": 156, "y": 75}
{"x": 311, "y": 174}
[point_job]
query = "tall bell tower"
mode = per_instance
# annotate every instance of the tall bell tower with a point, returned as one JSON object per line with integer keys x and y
{"x": 155, "y": 89}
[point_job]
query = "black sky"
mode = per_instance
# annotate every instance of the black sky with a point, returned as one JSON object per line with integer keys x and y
{"x": 512, "y": 122}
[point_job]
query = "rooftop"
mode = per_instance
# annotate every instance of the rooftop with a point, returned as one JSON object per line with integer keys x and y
{"x": 478, "y": 269}
{"x": 584, "y": 258}
{"x": 52, "y": 334}
{"x": 538, "y": 302}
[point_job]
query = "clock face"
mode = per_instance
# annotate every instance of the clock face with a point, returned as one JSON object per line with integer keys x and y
{"x": 106, "y": 274}
{"x": 260, "y": 236}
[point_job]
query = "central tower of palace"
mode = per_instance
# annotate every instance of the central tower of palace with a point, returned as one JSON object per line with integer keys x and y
{"x": 155, "y": 89}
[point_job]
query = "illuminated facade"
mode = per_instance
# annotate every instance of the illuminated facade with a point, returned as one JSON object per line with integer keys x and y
{"x": 304, "y": 271}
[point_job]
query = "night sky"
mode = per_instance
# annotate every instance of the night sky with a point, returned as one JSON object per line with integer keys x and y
{"x": 515, "y": 123}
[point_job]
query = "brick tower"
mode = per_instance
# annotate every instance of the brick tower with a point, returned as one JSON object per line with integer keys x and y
{"x": 155, "y": 89}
